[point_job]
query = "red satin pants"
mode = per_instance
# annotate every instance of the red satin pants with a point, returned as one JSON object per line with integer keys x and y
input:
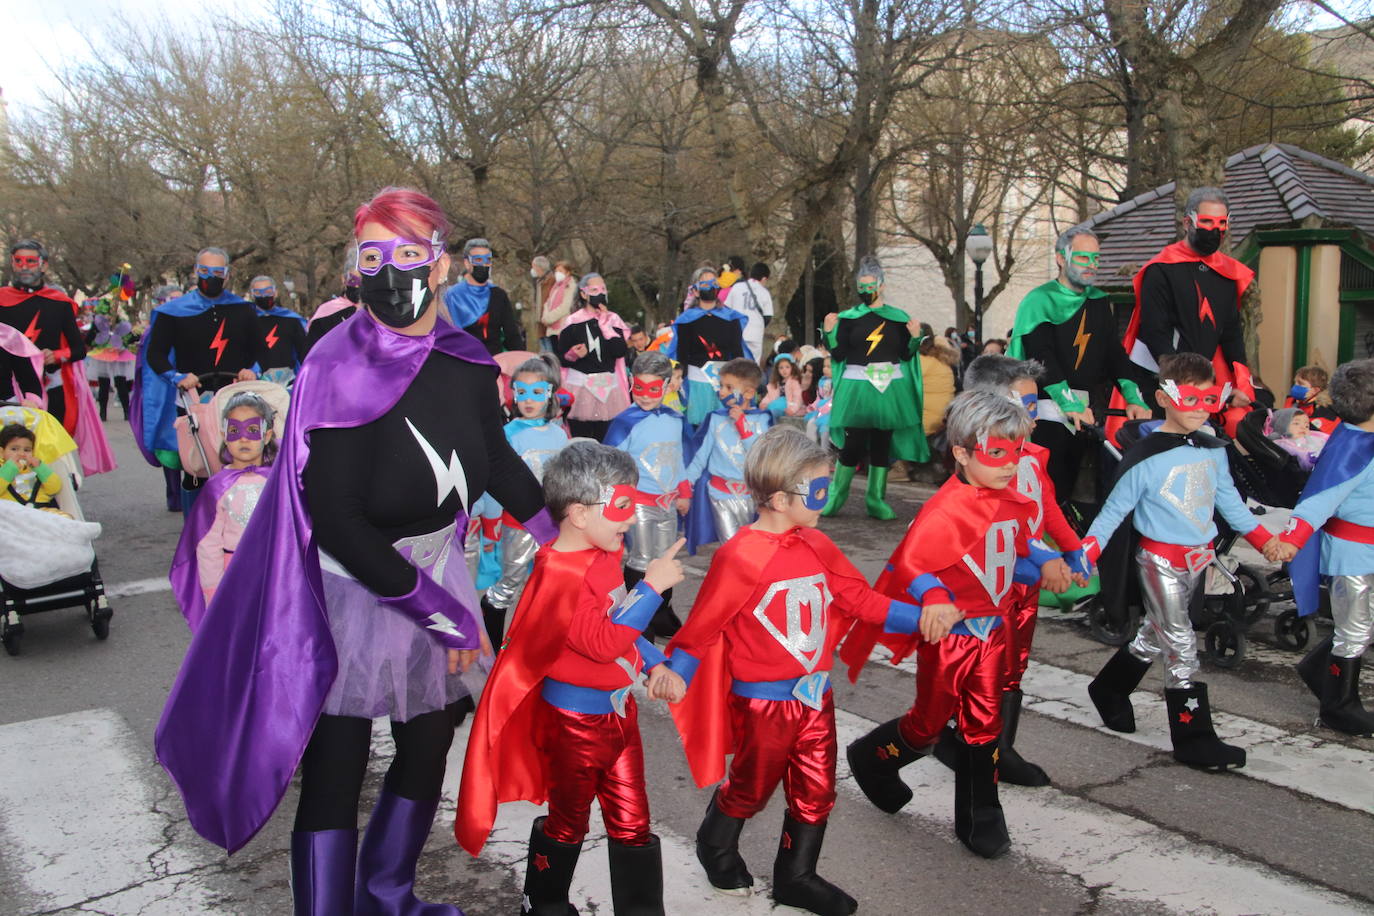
{"x": 781, "y": 741}
{"x": 1020, "y": 624}
{"x": 601, "y": 757}
{"x": 959, "y": 677}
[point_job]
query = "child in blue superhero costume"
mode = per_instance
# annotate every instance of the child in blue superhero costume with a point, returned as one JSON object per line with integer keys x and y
{"x": 655, "y": 436}
{"x": 721, "y": 502}
{"x": 1337, "y": 506}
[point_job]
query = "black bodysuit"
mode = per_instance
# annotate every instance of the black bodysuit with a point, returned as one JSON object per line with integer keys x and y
{"x": 368, "y": 486}
{"x": 871, "y": 338}
{"x": 602, "y": 352}
{"x": 1085, "y": 351}
{"x": 223, "y": 338}
{"x": 322, "y": 326}
{"x": 283, "y": 342}
{"x": 709, "y": 339}
{"x": 497, "y": 328}
{"x": 1173, "y": 318}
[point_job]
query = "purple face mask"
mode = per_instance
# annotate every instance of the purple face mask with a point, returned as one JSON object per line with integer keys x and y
{"x": 251, "y": 429}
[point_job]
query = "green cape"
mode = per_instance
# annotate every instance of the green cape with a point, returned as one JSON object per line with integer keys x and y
{"x": 907, "y": 444}
{"x": 1051, "y": 302}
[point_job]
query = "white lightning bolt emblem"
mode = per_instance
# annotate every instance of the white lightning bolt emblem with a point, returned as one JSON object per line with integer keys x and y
{"x": 442, "y": 624}
{"x": 593, "y": 344}
{"x": 417, "y": 302}
{"x": 875, "y": 337}
{"x": 445, "y": 478}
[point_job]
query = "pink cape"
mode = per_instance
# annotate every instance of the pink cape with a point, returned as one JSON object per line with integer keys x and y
{"x": 337, "y": 304}
{"x": 94, "y": 449}
{"x": 15, "y": 342}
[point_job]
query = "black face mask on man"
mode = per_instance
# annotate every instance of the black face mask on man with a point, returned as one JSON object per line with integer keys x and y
{"x": 265, "y": 302}
{"x": 480, "y": 273}
{"x": 708, "y": 295}
{"x": 1204, "y": 241}
{"x": 867, "y": 297}
{"x": 398, "y": 298}
{"x": 210, "y": 287}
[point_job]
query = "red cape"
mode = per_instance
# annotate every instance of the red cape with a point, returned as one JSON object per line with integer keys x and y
{"x": 13, "y": 295}
{"x": 736, "y": 573}
{"x": 951, "y": 524}
{"x": 1182, "y": 253}
{"x": 504, "y": 761}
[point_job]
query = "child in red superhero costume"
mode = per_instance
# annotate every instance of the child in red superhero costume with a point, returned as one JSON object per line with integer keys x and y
{"x": 1019, "y": 380}
{"x": 757, "y": 651}
{"x": 557, "y": 722}
{"x": 969, "y": 545}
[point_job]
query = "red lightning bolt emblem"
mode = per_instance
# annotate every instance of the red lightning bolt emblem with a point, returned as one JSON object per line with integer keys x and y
{"x": 875, "y": 338}
{"x": 1080, "y": 340}
{"x": 219, "y": 343}
{"x": 271, "y": 338}
{"x": 1204, "y": 308}
{"x": 712, "y": 351}
{"x": 32, "y": 331}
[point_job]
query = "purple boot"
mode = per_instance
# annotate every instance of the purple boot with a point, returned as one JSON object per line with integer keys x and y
{"x": 322, "y": 872}
{"x": 386, "y": 862}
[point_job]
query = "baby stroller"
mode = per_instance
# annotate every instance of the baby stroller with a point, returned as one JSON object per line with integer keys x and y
{"x": 1272, "y": 476}
{"x": 47, "y": 560}
{"x": 1233, "y": 596}
{"x": 200, "y": 433}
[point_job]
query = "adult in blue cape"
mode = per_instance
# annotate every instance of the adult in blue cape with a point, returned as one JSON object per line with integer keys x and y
{"x": 348, "y": 597}
{"x": 198, "y": 342}
{"x": 706, "y": 336}
{"x": 282, "y": 329}
{"x": 479, "y": 306}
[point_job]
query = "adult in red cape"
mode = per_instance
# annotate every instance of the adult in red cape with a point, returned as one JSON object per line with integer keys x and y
{"x": 47, "y": 317}
{"x": 348, "y": 597}
{"x": 1187, "y": 300}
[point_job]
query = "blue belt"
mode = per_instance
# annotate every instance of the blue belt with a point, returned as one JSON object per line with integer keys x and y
{"x": 588, "y": 700}
{"x": 810, "y": 689}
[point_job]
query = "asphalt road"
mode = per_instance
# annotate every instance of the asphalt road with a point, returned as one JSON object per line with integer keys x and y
{"x": 90, "y": 824}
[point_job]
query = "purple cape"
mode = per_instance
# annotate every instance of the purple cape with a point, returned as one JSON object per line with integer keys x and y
{"x": 259, "y": 667}
{"x": 185, "y": 571}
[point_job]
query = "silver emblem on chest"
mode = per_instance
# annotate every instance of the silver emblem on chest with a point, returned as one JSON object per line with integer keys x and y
{"x": 660, "y": 460}
{"x": 1190, "y": 489}
{"x": 535, "y": 459}
{"x": 1028, "y": 484}
{"x": 999, "y": 557}
{"x": 804, "y": 640}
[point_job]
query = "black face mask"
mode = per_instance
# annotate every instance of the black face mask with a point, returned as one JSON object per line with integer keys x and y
{"x": 389, "y": 294}
{"x": 597, "y": 301}
{"x": 352, "y": 293}
{"x": 867, "y": 298}
{"x": 708, "y": 295}
{"x": 1204, "y": 241}
{"x": 210, "y": 287}
{"x": 30, "y": 280}
{"x": 481, "y": 273}
{"x": 265, "y": 302}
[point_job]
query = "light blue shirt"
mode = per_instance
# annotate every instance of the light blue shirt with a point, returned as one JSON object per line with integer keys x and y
{"x": 655, "y": 443}
{"x": 1352, "y": 501}
{"x": 1174, "y": 495}
{"x": 536, "y": 445}
{"x": 722, "y": 451}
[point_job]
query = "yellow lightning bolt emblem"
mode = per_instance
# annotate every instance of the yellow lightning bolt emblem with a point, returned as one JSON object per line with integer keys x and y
{"x": 1080, "y": 340}
{"x": 875, "y": 337}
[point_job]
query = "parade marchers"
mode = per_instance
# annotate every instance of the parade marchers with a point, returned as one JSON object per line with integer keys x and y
{"x": 337, "y": 590}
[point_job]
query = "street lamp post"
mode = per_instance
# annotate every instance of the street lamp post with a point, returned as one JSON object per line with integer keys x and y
{"x": 979, "y": 246}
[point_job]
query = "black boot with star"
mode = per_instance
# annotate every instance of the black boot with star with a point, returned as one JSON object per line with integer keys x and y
{"x": 1190, "y": 726}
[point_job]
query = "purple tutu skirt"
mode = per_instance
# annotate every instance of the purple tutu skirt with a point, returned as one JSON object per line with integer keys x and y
{"x": 388, "y": 665}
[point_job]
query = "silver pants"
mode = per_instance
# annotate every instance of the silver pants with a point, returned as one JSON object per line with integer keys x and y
{"x": 517, "y": 553}
{"x": 1167, "y": 630}
{"x": 652, "y": 531}
{"x": 731, "y": 512}
{"x": 1352, "y": 610}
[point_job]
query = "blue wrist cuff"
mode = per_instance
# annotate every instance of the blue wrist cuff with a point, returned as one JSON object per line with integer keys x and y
{"x": 637, "y": 609}
{"x": 1040, "y": 552}
{"x": 1078, "y": 561}
{"x": 684, "y": 664}
{"x": 1027, "y": 571}
{"x": 650, "y": 653}
{"x": 902, "y": 618}
{"x": 922, "y": 584}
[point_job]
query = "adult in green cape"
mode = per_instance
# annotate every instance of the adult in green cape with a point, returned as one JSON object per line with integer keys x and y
{"x": 876, "y": 412}
{"x": 1068, "y": 325}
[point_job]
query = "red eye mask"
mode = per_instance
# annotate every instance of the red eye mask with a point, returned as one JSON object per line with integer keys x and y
{"x": 1190, "y": 397}
{"x": 612, "y": 497}
{"x": 1011, "y": 451}
{"x": 652, "y": 389}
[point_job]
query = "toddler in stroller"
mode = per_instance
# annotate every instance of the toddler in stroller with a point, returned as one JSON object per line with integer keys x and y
{"x": 47, "y": 560}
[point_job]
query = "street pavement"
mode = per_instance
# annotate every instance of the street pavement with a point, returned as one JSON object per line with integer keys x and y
{"x": 90, "y": 824}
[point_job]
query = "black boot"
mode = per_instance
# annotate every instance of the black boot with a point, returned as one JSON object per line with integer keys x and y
{"x": 795, "y": 882}
{"x": 1111, "y": 689}
{"x": 978, "y": 820}
{"x": 548, "y": 874}
{"x": 636, "y": 878}
{"x": 875, "y": 759}
{"x": 1190, "y": 727}
{"x": 1011, "y": 766}
{"x": 102, "y": 397}
{"x": 947, "y": 748}
{"x": 1341, "y": 706}
{"x": 495, "y": 620}
{"x": 718, "y": 851}
{"x": 1312, "y": 668}
{"x": 122, "y": 390}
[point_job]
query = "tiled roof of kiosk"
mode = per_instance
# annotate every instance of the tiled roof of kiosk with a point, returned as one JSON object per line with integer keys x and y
{"x": 1271, "y": 186}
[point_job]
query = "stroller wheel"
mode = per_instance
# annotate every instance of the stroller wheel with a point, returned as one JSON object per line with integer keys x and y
{"x": 11, "y": 639}
{"x": 1225, "y": 643}
{"x": 1255, "y": 588}
{"x": 1107, "y": 628}
{"x": 1292, "y": 631}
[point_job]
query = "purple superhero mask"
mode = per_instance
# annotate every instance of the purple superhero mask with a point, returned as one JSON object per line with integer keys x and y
{"x": 251, "y": 429}
{"x": 373, "y": 256}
